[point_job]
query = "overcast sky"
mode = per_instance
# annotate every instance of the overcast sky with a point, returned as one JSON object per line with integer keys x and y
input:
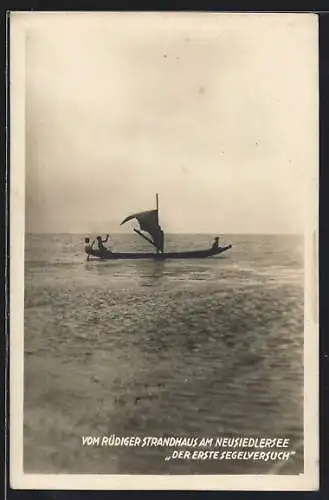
{"x": 216, "y": 113}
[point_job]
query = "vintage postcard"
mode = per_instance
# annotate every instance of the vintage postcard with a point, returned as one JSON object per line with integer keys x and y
{"x": 163, "y": 251}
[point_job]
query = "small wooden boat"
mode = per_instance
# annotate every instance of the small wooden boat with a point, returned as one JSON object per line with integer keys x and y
{"x": 149, "y": 223}
{"x": 192, "y": 254}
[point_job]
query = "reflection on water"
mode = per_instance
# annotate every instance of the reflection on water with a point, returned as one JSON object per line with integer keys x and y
{"x": 144, "y": 347}
{"x": 142, "y": 268}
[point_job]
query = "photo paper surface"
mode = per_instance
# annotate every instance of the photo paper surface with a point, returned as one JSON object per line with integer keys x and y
{"x": 163, "y": 251}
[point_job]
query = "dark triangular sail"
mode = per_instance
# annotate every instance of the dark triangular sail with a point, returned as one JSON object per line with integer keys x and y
{"x": 149, "y": 222}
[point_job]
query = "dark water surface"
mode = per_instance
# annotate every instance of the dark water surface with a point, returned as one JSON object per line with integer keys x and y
{"x": 185, "y": 348}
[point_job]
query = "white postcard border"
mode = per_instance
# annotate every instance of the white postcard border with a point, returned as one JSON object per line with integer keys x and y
{"x": 20, "y": 22}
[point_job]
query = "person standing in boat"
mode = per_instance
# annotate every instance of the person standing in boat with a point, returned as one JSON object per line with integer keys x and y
{"x": 88, "y": 246}
{"x": 215, "y": 244}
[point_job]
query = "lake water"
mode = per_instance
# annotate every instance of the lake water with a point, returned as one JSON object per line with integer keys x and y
{"x": 201, "y": 348}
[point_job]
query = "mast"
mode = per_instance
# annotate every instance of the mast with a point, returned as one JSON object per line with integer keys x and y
{"x": 157, "y": 205}
{"x": 160, "y": 233}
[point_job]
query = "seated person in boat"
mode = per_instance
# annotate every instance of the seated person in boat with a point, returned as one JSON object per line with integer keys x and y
{"x": 88, "y": 246}
{"x": 215, "y": 244}
{"x": 100, "y": 243}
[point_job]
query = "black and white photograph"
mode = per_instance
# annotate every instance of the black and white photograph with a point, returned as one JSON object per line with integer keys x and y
{"x": 163, "y": 220}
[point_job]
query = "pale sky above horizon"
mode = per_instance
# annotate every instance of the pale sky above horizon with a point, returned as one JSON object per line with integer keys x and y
{"x": 217, "y": 113}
